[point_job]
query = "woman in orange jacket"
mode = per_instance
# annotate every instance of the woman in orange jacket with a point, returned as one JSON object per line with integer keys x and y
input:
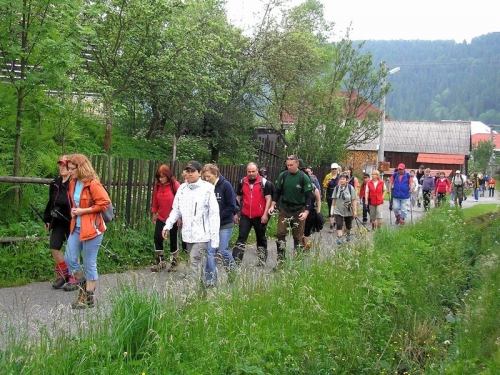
{"x": 88, "y": 200}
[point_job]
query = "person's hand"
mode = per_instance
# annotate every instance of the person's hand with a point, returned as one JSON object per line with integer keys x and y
{"x": 264, "y": 219}
{"x": 164, "y": 234}
{"x": 154, "y": 217}
{"x": 271, "y": 209}
{"x": 390, "y": 206}
{"x": 303, "y": 215}
{"x": 236, "y": 219}
{"x": 47, "y": 226}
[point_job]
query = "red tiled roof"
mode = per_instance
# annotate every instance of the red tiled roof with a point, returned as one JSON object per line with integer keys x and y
{"x": 476, "y": 138}
{"x": 441, "y": 159}
{"x": 447, "y": 172}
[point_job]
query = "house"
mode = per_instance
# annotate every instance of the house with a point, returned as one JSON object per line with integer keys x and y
{"x": 443, "y": 146}
{"x": 481, "y": 133}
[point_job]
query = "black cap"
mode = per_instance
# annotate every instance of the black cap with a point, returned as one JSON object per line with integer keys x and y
{"x": 193, "y": 165}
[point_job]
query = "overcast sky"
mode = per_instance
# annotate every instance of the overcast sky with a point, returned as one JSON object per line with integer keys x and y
{"x": 395, "y": 19}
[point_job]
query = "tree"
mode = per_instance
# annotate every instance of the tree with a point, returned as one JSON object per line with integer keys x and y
{"x": 118, "y": 35}
{"x": 38, "y": 47}
{"x": 481, "y": 156}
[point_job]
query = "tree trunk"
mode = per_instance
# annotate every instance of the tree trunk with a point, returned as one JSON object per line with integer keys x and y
{"x": 109, "y": 125}
{"x": 154, "y": 121}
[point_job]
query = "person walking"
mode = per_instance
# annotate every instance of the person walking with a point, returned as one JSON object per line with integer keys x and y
{"x": 164, "y": 191}
{"x": 196, "y": 204}
{"x": 295, "y": 190}
{"x": 374, "y": 196}
{"x": 458, "y": 186}
{"x": 344, "y": 207}
{"x": 254, "y": 195}
{"x": 427, "y": 182}
{"x": 401, "y": 188}
{"x": 363, "y": 197}
{"x": 491, "y": 187}
{"x": 57, "y": 218}
{"x": 441, "y": 188}
{"x": 416, "y": 184}
{"x": 476, "y": 185}
{"x": 329, "y": 182}
{"x": 314, "y": 179}
{"x": 309, "y": 226}
{"x": 226, "y": 200}
{"x": 420, "y": 173}
{"x": 88, "y": 200}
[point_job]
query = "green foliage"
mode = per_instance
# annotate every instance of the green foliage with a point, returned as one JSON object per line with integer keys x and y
{"x": 481, "y": 156}
{"x": 442, "y": 79}
{"x": 395, "y": 307}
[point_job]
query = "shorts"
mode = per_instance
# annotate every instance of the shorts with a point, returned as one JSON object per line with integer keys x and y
{"x": 376, "y": 212}
{"x": 58, "y": 235}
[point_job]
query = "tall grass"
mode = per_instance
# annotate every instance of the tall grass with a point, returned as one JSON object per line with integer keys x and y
{"x": 405, "y": 303}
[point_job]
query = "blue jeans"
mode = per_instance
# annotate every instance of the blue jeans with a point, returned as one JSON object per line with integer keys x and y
{"x": 89, "y": 250}
{"x": 400, "y": 207}
{"x": 210, "y": 266}
{"x": 476, "y": 194}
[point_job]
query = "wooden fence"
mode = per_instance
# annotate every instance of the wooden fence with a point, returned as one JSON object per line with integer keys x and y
{"x": 130, "y": 182}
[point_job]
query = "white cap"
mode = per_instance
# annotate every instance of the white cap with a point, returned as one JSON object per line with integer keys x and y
{"x": 458, "y": 171}
{"x": 335, "y": 165}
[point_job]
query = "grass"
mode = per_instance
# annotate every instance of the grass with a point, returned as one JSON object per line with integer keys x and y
{"x": 419, "y": 300}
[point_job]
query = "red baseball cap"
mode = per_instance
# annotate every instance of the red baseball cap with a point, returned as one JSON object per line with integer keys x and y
{"x": 401, "y": 166}
{"x": 63, "y": 160}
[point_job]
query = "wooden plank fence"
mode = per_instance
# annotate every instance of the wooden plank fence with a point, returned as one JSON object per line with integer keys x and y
{"x": 130, "y": 182}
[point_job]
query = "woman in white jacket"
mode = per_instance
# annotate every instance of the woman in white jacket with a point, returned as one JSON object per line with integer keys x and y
{"x": 195, "y": 203}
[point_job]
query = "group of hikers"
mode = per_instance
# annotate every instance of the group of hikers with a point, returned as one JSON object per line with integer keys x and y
{"x": 204, "y": 207}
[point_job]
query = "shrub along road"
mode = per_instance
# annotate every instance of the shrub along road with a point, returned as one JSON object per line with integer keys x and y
{"x": 30, "y": 308}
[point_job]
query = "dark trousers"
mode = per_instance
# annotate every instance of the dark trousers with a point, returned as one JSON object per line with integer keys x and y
{"x": 246, "y": 224}
{"x": 366, "y": 210}
{"x": 172, "y": 236}
{"x": 427, "y": 199}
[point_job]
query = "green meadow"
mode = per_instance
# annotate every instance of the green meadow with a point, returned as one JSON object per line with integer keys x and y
{"x": 422, "y": 299}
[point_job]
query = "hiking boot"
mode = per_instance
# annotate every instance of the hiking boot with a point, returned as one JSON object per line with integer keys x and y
{"x": 79, "y": 274}
{"x": 339, "y": 241}
{"x": 71, "y": 285}
{"x": 349, "y": 237}
{"x": 85, "y": 300}
{"x": 398, "y": 219}
{"x": 173, "y": 266}
{"x": 158, "y": 267}
{"x": 59, "y": 283}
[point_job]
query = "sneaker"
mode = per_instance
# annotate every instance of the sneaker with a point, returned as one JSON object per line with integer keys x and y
{"x": 339, "y": 241}
{"x": 71, "y": 285}
{"x": 349, "y": 237}
{"x": 331, "y": 228}
{"x": 398, "y": 219}
{"x": 59, "y": 283}
{"x": 160, "y": 266}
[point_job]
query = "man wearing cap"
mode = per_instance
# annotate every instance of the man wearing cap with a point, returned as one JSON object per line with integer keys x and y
{"x": 329, "y": 182}
{"x": 401, "y": 187}
{"x": 458, "y": 184}
{"x": 196, "y": 204}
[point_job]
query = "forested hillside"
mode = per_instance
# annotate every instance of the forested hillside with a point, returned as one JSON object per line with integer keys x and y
{"x": 442, "y": 80}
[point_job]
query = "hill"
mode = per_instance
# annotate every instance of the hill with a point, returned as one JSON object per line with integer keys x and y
{"x": 442, "y": 79}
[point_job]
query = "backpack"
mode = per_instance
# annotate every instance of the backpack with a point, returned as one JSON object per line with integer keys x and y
{"x": 461, "y": 179}
{"x": 263, "y": 182}
{"x": 109, "y": 214}
{"x": 301, "y": 178}
{"x": 410, "y": 178}
{"x": 336, "y": 188}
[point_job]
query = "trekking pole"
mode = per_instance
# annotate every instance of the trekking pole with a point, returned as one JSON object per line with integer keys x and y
{"x": 37, "y": 212}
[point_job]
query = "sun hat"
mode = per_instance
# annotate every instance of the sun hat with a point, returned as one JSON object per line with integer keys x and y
{"x": 335, "y": 166}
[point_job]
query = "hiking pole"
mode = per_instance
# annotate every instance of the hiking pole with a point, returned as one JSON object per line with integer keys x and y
{"x": 37, "y": 212}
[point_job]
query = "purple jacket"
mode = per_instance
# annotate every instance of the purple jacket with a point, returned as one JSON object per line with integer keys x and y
{"x": 427, "y": 183}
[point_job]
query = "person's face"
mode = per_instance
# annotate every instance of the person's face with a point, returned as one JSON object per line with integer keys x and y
{"x": 192, "y": 175}
{"x": 412, "y": 174}
{"x": 401, "y": 171}
{"x": 72, "y": 169}
{"x": 335, "y": 170}
{"x": 308, "y": 171}
{"x": 162, "y": 179}
{"x": 427, "y": 173}
{"x": 441, "y": 175}
{"x": 252, "y": 172}
{"x": 342, "y": 180}
{"x": 63, "y": 170}
{"x": 374, "y": 176}
{"x": 209, "y": 177}
{"x": 366, "y": 178}
{"x": 348, "y": 172}
{"x": 292, "y": 166}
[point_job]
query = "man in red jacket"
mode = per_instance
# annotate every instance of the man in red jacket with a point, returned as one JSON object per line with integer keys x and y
{"x": 254, "y": 196}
